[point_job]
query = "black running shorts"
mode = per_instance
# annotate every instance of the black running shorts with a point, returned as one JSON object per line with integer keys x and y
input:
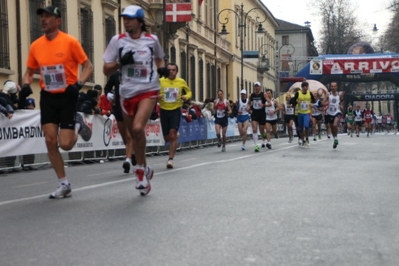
{"x": 170, "y": 119}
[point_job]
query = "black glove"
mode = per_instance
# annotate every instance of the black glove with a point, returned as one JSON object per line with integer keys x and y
{"x": 73, "y": 90}
{"x": 163, "y": 72}
{"x": 127, "y": 59}
{"x": 26, "y": 90}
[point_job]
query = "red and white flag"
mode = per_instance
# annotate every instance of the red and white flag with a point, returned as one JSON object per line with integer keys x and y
{"x": 178, "y": 12}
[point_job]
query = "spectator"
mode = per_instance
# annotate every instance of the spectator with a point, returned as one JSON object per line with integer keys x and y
{"x": 87, "y": 102}
{"x": 104, "y": 104}
{"x": 207, "y": 111}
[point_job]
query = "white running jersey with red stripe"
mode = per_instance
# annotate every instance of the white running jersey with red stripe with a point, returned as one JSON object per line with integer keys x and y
{"x": 141, "y": 76}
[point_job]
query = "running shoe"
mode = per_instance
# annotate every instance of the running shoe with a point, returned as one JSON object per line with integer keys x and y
{"x": 357, "y": 135}
{"x": 368, "y": 135}
{"x": 328, "y": 136}
{"x": 143, "y": 180}
{"x": 269, "y": 145}
{"x": 351, "y": 135}
{"x": 223, "y": 149}
{"x": 290, "y": 140}
{"x": 314, "y": 138}
{"x": 263, "y": 145}
{"x": 299, "y": 142}
{"x": 335, "y": 143}
{"x": 276, "y": 136}
{"x": 169, "y": 164}
{"x": 319, "y": 137}
{"x": 63, "y": 191}
{"x": 243, "y": 147}
{"x": 219, "y": 144}
{"x": 84, "y": 131}
{"x": 256, "y": 148}
{"x": 126, "y": 167}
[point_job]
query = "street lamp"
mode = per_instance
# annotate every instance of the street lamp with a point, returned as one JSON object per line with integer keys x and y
{"x": 289, "y": 47}
{"x": 242, "y": 17}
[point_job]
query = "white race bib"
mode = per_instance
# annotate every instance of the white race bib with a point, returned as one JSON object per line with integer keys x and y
{"x": 304, "y": 106}
{"x": 54, "y": 77}
{"x": 171, "y": 95}
{"x": 138, "y": 73}
{"x": 256, "y": 104}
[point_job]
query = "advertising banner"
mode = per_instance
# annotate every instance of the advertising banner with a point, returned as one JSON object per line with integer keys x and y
{"x": 360, "y": 66}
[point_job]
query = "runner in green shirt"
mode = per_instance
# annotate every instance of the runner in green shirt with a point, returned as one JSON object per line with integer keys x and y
{"x": 350, "y": 120}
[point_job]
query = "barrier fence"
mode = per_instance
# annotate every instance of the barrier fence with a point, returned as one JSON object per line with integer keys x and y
{"x": 22, "y": 142}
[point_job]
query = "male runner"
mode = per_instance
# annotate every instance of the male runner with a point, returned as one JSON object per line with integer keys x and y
{"x": 271, "y": 108}
{"x": 243, "y": 117}
{"x": 358, "y": 120}
{"x": 221, "y": 118}
{"x": 368, "y": 117}
{"x": 171, "y": 99}
{"x": 334, "y": 111}
{"x": 58, "y": 55}
{"x": 258, "y": 116}
{"x": 288, "y": 112}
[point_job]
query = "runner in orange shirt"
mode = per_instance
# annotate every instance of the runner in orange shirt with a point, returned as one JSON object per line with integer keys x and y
{"x": 58, "y": 55}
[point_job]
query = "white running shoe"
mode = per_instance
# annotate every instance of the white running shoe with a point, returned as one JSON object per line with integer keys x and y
{"x": 299, "y": 142}
{"x": 223, "y": 149}
{"x": 142, "y": 183}
{"x": 63, "y": 191}
{"x": 243, "y": 147}
{"x": 169, "y": 164}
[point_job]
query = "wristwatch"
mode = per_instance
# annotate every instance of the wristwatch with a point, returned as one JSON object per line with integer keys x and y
{"x": 80, "y": 83}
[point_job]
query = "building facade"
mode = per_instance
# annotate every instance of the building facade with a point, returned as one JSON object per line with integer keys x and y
{"x": 205, "y": 60}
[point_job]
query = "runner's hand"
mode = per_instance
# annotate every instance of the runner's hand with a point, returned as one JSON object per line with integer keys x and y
{"x": 25, "y": 91}
{"x": 110, "y": 96}
{"x": 163, "y": 72}
{"x": 127, "y": 59}
{"x": 73, "y": 90}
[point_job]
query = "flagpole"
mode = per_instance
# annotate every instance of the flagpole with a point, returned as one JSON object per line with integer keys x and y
{"x": 165, "y": 42}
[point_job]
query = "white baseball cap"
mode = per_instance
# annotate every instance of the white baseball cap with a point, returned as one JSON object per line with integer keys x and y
{"x": 10, "y": 87}
{"x": 133, "y": 11}
{"x": 243, "y": 92}
{"x": 257, "y": 83}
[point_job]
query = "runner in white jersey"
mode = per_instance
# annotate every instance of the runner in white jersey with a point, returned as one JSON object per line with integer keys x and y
{"x": 389, "y": 122}
{"x": 334, "y": 111}
{"x": 135, "y": 53}
{"x": 378, "y": 120}
{"x": 358, "y": 120}
{"x": 243, "y": 117}
{"x": 288, "y": 112}
{"x": 271, "y": 108}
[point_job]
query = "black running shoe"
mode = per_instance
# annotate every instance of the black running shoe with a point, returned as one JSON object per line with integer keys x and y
{"x": 126, "y": 167}
{"x": 84, "y": 131}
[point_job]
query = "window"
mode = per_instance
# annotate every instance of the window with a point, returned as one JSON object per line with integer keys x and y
{"x": 219, "y": 78}
{"x": 4, "y": 39}
{"x": 35, "y": 27}
{"x": 201, "y": 79}
{"x": 173, "y": 54}
{"x": 61, "y": 4}
{"x": 238, "y": 84}
{"x": 208, "y": 80}
{"x": 86, "y": 32}
{"x": 285, "y": 40}
{"x": 183, "y": 64}
{"x": 110, "y": 29}
{"x": 192, "y": 75}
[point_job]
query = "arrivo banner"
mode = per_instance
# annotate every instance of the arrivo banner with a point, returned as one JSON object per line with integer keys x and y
{"x": 360, "y": 66}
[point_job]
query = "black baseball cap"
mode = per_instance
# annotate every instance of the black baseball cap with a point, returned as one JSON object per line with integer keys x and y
{"x": 52, "y": 10}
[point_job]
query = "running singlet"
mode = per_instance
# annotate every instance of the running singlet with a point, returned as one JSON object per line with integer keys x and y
{"x": 58, "y": 61}
{"x": 333, "y": 107}
{"x": 358, "y": 116}
{"x": 389, "y": 119}
{"x": 316, "y": 111}
{"x": 243, "y": 106}
{"x": 171, "y": 93}
{"x": 304, "y": 104}
{"x": 268, "y": 109}
{"x": 221, "y": 108}
{"x": 288, "y": 110}
{"x": 379, "y": 119}
{"x": 368, "y": 115}
{"x": 141, "y": 76}
{"x": 256, "y": 100}
{"x": 349, "y": 116}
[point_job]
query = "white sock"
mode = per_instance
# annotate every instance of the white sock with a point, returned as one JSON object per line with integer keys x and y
{"x": 77, "y": 127}
{"x": 128, "y": 160}
{"x": 255, "y": 137}
{"x": 63, "y": 180}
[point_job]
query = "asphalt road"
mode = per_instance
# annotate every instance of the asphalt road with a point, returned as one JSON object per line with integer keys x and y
{"x": 285, "y": 206}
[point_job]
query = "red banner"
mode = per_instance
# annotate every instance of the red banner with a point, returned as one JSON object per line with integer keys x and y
{"x": 178, "y": 12}
{"x": 360, "y": 66}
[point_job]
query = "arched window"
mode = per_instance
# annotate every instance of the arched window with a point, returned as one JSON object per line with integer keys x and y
{"x": 201, "y": 79}
{"x": 192, "y": 75}
{"x": 183, "y": 65}
{"x": 173, "y": 54}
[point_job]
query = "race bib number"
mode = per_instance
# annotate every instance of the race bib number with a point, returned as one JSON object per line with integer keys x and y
{"x": 171, "y": 95}
{"x": 289, "y": 110}
{"x": 220, "y": 113}
{"x": 137, "y": 72}
{"x": 54, "y": 77}
{"x": 332, "y": 109}
{"x": 368, "y": 116}
{"x": 257, "y": 103}
{"x": 304, "y": 106}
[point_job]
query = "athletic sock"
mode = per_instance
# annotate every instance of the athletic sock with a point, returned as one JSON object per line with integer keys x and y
{"x": 63, "y": 180}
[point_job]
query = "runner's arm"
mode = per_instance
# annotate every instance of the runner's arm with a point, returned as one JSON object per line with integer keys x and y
{"x": 87, "y": 71}
{"x": 28, "y": 76}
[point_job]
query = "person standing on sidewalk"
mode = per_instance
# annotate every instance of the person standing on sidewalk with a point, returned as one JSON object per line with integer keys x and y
{"x": 136, "y": 52}
{"x": 174, "y": 91}
{"x": 58, "y": 56}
